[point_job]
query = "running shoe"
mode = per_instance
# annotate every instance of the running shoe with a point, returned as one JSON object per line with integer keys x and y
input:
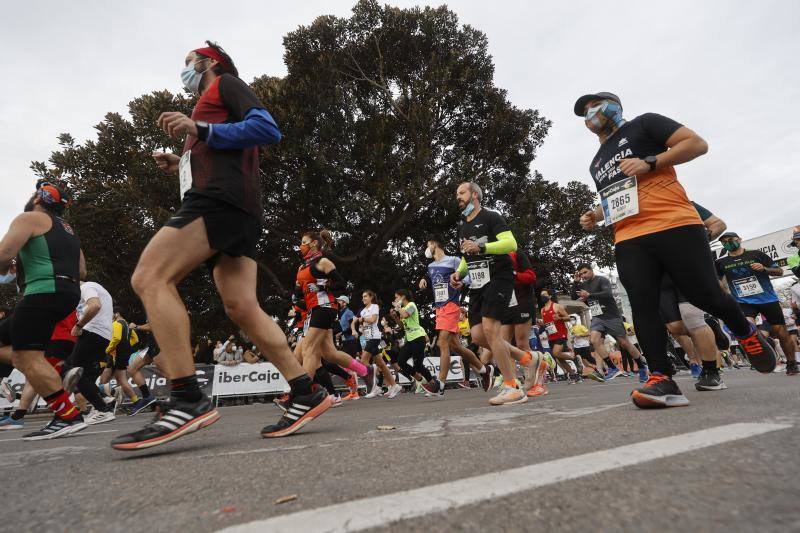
{"x": 280, "y": 401}
{"x": 487, "y": 377}
{"x": 394, "y": 390}
{"x": 509, "y": 396}
{"x": 142, "y": 404}
{"x": 696, "y": 370}
{"x": 538, "y": 390}
{"x": 351, "y": 396}
{"x": 352, "y": 385}
{"x": 418, "y": 388}
{"x": 643, "y": 374}
{"x": 377, "y": 391}
{"x": 300, "y": 411}
{"x": 498, "y": 382}
{"x": 597, "y": 376}
{"x": 174, "y": 419}
{"x": 56, "y": 428}
{"x": 371, "y": 379}
{"x": 432, "y": 386}
{"x": 9, "y": 423}
{"x": 534, "y": 370}
{"x": 119, "y": 396}
{"x": 465, "y": 384}
{"x": 710, "y": 381}
{"x": 578, "y": 365}
{"x": 5, "y": 390}
{"x": 611, "y": 374}
{"x": 759, "y": 351}
{"x": 792, "y": 369}
{"x": 336, "y": 400}
{"x": 659, "y": 391}
{"x": 98, "y": 417}
{"x": 71, "y": 378}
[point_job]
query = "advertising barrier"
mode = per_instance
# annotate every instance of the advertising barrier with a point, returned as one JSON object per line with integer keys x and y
{"x": 259, "y": 378}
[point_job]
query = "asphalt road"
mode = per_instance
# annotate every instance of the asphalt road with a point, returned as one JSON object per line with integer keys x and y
{"x": 227, "y": 475}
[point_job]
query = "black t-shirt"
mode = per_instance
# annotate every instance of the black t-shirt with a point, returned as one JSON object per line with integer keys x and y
{"x": 746, "y": 284}
{"x": 227, "y": 175}
{"x": 641, "y": 137}
{"x": 482, "y": 229}
{"x": 205, "y": 354}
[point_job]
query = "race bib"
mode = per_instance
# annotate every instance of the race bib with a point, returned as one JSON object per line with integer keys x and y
{"x": 747, "y": 287}
{"x": 185, "y": 172}
{"x": 580, "y": 342}
{"x": 550, "y": 328}
{"x": 479, "y": 274}
{"x": 595, "y": 308}
{"x": 620, "y": 200}
{"x": 513, "y": 302}
{"x": 440, "y": 293}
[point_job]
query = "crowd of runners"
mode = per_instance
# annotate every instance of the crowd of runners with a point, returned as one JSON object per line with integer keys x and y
{"x": 67, "y": 338}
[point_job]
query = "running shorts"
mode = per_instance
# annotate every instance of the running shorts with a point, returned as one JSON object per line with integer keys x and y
{"x": 693, "y": 317}
{"x": 89, "y": 350}
{"x": 373, "y": 346}
{"x": 230, "y": 230}
{"x": 609, "y": 326}
{"x": 447, "y": 317}
{"x": 521, "y": 313}
{"x": 59, "y": 349}
{"x": 322, "y": 317}
{"x": 557, "y": 342}
{"x": 34, "y": 319}
{"x": 351, "y": 347}
{"x": 585, "y": 352}
{"x": 490, "y": 301}
{"x": 772, "y": 311}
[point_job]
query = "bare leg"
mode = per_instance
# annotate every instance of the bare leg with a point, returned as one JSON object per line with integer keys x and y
{"x": 119, "y": 375}
{"x": 38, "y": 372}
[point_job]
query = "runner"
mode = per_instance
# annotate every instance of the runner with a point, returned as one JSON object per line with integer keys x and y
{"x": 449, "y": 318}
{"x": 49, "y": 263}
{"x": 349, "y": 342}
{"x": 219, "y": 223}
{"x": 656, "y": 230}
{"x": 369, "y": 320}
{"x": 581, "y": 345}
{"x": 747, "y": 273}
{"x": 486, "y": 241}
{"x": 119, "y": 351}
{"x": 596, "y": 292}
{"x": 149, "y": 355}
{"x": 415, "y": 339}
{"x": 555, "y": 318}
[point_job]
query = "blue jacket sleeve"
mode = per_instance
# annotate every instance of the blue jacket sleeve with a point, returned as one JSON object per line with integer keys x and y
{"x": 257, "y": 128}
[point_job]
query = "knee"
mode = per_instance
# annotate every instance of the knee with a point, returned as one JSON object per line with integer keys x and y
{"x": 240, "y": 309}
{"x": 19, "y": 362}
{"x": 146, "y": 281}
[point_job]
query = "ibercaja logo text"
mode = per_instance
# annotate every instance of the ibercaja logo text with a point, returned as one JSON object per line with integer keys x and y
{"x": 251, "y": 377}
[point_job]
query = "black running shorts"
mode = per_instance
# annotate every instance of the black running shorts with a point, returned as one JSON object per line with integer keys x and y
{"x": 772, "y": 312}
{"x": 585, "y": 352}
{"x": 230, "y": 230}
{"x": 322, "y": 317}
{"x": 35, "y": 317}
{"x": 373, "y": 347}
{"x": 490, "y": 301}
{"x": 521, "y": 313}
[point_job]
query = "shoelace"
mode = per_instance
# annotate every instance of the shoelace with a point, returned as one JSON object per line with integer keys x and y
{"x": 752, "y": 344}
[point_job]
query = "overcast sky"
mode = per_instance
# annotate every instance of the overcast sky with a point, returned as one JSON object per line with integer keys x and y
{"x": 728, "y": 70}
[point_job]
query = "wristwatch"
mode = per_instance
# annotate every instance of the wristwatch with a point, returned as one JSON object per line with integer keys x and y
{"x": 482, "y": 248}
{"x": 202, "y": 130}
{"x": 651, "y": 160}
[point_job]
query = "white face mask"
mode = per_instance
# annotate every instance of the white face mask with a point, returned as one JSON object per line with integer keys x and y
{"x": 191, "y": 78}
{"x": 7, "y": 278}
{"x": 428, "y": 253}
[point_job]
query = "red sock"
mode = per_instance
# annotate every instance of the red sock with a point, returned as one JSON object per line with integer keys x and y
{"x": 525, "y": 359}
{"x": 61, "y": 406}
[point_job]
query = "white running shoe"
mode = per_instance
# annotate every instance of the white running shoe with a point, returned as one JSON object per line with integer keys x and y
{"x": 98, "y": 417}
{"x": 336, "y": 400}
{"x": 376, "y": 391}
{"x": 394, "y": 390}
{"x": 509, "y": 396}
{"x": 71, "y": 378}
{"x": 5, "y": 390}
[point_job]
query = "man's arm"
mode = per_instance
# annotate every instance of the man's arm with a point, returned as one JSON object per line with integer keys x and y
{"x": 82, "y": 267}
{"x": 604, "y": 289}
{"x": 715, "y": 226}
{"x": 93, "y": 307}
{"x": 505, "y": 243}
{"x": 116, "y": 336}
{"x": 20, "y": 231}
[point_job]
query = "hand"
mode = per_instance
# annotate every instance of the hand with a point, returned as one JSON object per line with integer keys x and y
{"x": 167, "y": 162}
{"x": 633, "y": 166}
{"x": 577, "y": 276}
{"x": 312, "y": 287}
{"x": 588, "y": 221}
{"x": 423, "y": 284}
{"x": 470, "y": 247}
{"x": 176, "y": 124}
{"x": 758, "y": 267}
{"x": 231, "y": 338}
{"x": 583, "y": 294}
{"x": 455, "y": 280}
{"x": 131, "y": 326}
{"x": 76, "y": 331}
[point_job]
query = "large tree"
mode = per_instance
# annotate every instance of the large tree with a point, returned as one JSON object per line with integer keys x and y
{"x": 383, "y": 114}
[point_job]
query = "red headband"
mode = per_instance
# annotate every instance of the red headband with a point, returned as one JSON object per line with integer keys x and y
{"x": 213, "y": 54}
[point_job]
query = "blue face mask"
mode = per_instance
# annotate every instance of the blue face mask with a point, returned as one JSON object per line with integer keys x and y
{"x": 7, "y": 278}
{"x": 191, "y": 78}
{"x": 603, "y": 117}
{"x": 469, "y": 209}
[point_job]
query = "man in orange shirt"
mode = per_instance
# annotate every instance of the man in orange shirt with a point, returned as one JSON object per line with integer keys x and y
{"x": 657, "y": 231}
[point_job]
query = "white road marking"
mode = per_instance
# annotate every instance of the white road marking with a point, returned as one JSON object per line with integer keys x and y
{"x": 78, "y": 434}
{"x": 380, "y": 511}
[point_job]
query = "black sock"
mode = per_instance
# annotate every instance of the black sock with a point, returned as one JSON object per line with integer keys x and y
{"x": 301, "y": 385}
{"x": 19, "y": 414}
{"x": 145, "y": 390}
{"x": 710, "y": 367}
{"x": 323, "y": 377}
{"x": 186, "y": 389}
{"x": 609, "y": 363}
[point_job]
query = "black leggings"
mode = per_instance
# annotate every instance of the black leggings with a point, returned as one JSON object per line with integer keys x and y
{"x": 684, "y": 254}
{"x": 88, "y": 350}
{"x": 415, "y": 350}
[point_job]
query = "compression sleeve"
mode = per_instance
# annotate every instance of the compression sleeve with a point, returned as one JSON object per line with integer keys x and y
{"x": 504, "y": 244}
{"x": 462, "y": 268}
{"x": 257, "y": 128}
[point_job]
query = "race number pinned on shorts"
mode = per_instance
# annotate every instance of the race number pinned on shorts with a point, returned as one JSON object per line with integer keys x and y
{"x": 440, "y": 293}
{"x": 513, "y": 302}
{"x": 479, "y": 274}
{"x": 185, "y": 172}
{"x": 550, "y": 328}
{"x": 595, "y": 307}
{"x": 620, "y": 200}
{"x": 747, "y": 287}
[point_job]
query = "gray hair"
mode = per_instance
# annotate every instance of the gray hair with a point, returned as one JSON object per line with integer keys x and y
{"x": 474, "y": 187}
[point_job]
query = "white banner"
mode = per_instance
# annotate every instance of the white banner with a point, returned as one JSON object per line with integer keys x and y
{"x": 247, "y": 378}
{"x": 454, "y": 373}
{"x": 777, "y": 245}
{"x": 16, "y": 380}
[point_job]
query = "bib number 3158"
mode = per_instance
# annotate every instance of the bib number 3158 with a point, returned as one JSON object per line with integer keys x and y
{"x": 620, "y": 200}
{"x": 185, "y": 172}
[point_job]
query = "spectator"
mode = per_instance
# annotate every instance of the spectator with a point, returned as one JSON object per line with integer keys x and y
{"x": 229, "y": 355}
{"x": 252, "y": 356}
{"x": 204, "y": 354}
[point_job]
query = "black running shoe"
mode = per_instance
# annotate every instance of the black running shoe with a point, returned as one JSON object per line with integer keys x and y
{"x": 760, "y": 352}
{"x": 174, "y": 419}
{"x": 56, "y": 428}
{"x": 300, "y": 410}
{"x": 487, "y": 378}
{"x": 659, "y": 391}
{"x": 433, "y": 387}
{"x": 791, "y": 368}
{"x": 710, "y": 381}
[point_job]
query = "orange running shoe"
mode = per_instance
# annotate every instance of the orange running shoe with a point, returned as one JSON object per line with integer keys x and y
{"x": 351, "y": 396}
{"x": 538, "y": 390}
